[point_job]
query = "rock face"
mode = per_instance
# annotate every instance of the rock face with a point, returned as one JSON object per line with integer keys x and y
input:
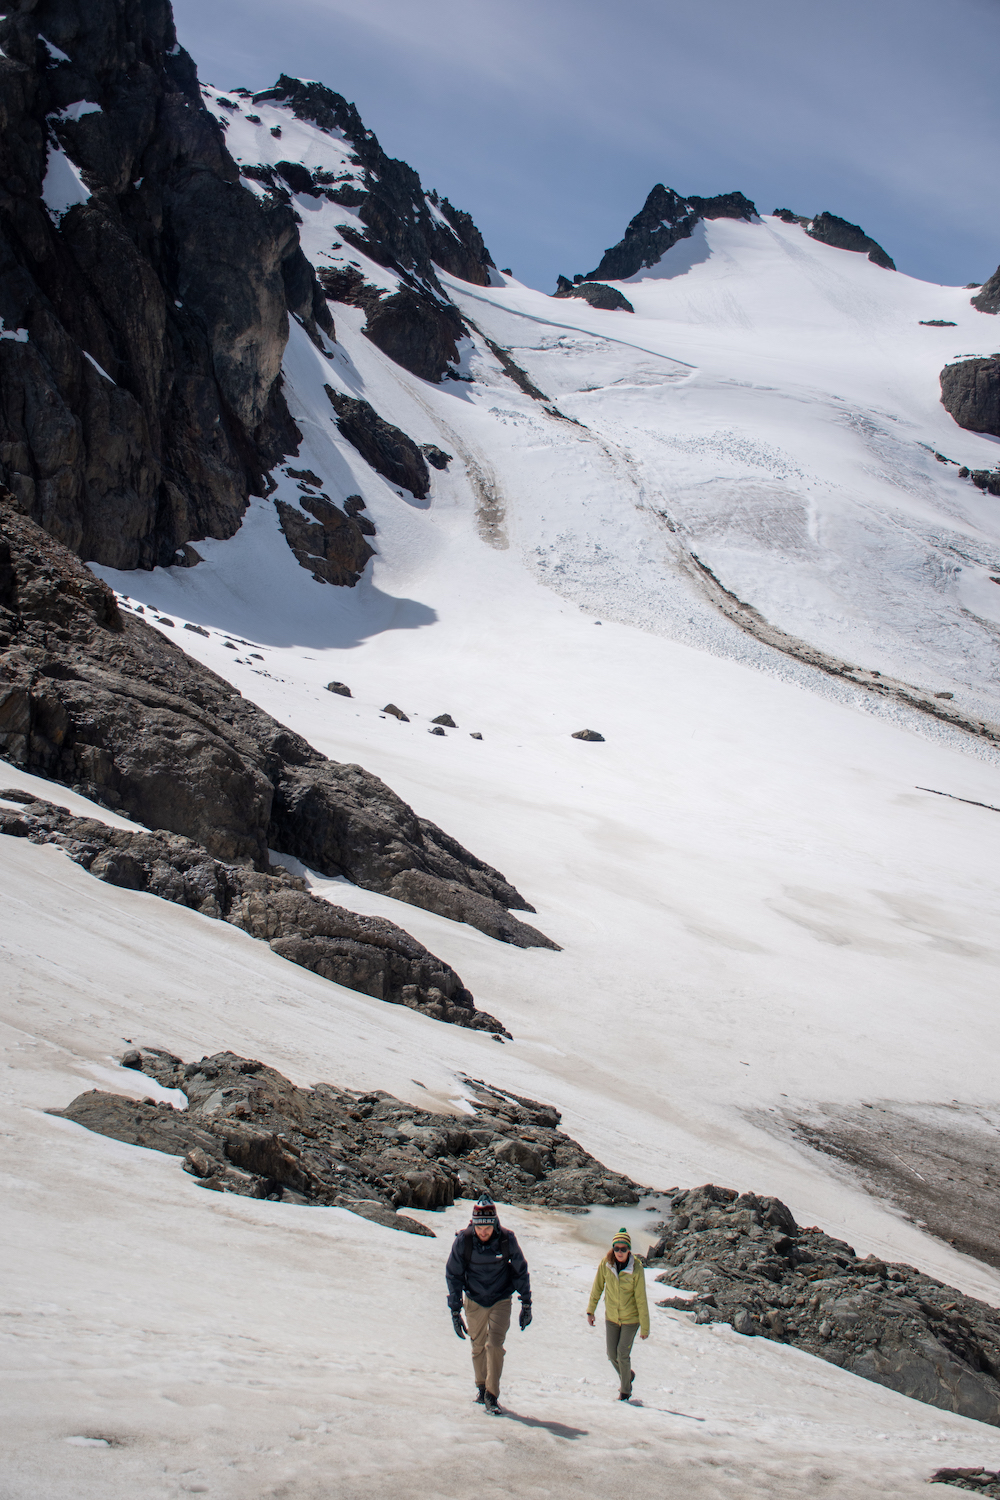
{"x": 143, "y": 402}
{"x": 96, "y": 698}
{"x": 987, "y": 299}
{"x": 389, "y": 451}
{"x": 363, "y": 953}
{"x": 607, "y": 298}
{"x": 332, "y": 546}
{"x": 664, "y": 218}
{"x": 752, "y": 1266}
{"x": 248, "y": 1130}
{"x": 970, "y": 392}
{"x": 830, "y": 230}
{"x": 406, "y": 230}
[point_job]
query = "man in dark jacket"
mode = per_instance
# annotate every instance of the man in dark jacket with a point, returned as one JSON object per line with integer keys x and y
{"x": 486, "y": 1266}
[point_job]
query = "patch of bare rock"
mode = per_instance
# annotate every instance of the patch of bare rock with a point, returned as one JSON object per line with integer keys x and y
{"x": 248, "y": 1130}
{"x": 364, "y": 953}
{"x": 750, "y": 1265}
{"x": 96, "y": 698}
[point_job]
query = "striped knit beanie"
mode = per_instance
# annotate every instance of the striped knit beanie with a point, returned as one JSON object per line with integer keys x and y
{"x": 622, "y": 1238}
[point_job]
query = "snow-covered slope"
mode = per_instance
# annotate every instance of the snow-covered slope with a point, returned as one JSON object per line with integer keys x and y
{"x": 758, "y": 906}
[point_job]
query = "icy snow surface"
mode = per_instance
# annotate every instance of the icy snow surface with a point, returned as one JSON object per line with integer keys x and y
{"x": 757, "y": 907}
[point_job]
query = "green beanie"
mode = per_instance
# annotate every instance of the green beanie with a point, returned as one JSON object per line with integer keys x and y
{"x": 622, "y": 1237}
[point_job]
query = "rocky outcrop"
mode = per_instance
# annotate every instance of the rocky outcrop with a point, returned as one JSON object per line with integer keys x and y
{"x": 416, "y": 326}
{"x": 332, "y": 546}
{"x": 419, "y": 332}
{"x": 140, "y": 400}
{"x": 388, "y": 450}
{"x": 405, "y": 229}
{"x": 449, "y": 899}
{"x": 664, "y": 218}
{"x": 970, "y": 392}
{"x": 830, "y": 230}
{"x": 751, "y": 1265}
{"x": 248, "y": 1130}
{"x": 368, "y": 954}
{"x": 94, "y": 697}
{"x": 606, "y": 298}
{"x": 987, "y": 299}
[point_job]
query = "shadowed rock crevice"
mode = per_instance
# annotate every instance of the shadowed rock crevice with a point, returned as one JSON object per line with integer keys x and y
{"x": 94, "y": 697}
{"x": 248, "y": 1130}
{"x": 362, "y": 953}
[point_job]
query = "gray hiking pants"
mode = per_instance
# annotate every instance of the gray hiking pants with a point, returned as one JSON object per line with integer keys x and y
{"x": 621, "y": 1337}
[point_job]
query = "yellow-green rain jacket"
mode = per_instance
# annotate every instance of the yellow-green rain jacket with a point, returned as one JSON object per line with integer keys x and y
{"x": 624, "y": 1293}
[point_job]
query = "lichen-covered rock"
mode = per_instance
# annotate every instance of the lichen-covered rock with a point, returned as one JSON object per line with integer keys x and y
{"x": 970, "y": 392}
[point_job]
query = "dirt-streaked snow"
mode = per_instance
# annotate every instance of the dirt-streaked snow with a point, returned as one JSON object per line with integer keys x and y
{"x": 757, "y": 906}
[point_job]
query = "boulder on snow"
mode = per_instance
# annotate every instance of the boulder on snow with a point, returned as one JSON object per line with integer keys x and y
{"x": 436, "y": 730}
{"x": 605, "y": 298}
{"x": 446, "y": 720}
{"x": 970, "y": 392}
{"x": 396, "y": 713}
{"x": 340, "y": 688}
{"x": 435, "y": 456}
{"x": 588, "y": 734}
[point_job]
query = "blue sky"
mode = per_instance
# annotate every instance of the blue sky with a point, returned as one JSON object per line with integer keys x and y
{"x": 549, "y": 121}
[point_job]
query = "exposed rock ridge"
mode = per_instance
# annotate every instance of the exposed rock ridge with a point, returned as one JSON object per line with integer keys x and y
{"x": 752, "y": 1266}
{"x": 606, "y": 298}
{"x": 140, "y": 402}
{"x": 404, "y": 228}
{"x": 408, "y": 231}
{"x": 363, "y": 953}
{"x": 664, "y": 218}
{"x": 93, "y": 697}
{"x": 248, "y": 1130}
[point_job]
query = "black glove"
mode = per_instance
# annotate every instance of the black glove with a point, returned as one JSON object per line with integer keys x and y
{"x": 458, "y": 1325}
{"x": 525, "y": 1317}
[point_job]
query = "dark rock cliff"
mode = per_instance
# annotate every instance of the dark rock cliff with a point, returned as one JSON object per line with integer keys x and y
{"x": 140, "y": 403}
{"x": 97, "y": 699}
{"x": 605, "y": 298}
{"x": 664, "y": 218}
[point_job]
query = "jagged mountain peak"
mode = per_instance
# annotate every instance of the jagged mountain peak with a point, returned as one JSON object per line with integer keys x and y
{"x": 664, "y": 218}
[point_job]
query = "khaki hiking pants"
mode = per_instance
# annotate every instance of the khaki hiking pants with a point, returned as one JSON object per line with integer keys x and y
{"x": 487, "y": 1327}
{"x": 621, "y": 1337}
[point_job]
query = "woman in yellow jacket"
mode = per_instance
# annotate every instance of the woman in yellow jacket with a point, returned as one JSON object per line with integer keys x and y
{"x": 621, "y": 1279}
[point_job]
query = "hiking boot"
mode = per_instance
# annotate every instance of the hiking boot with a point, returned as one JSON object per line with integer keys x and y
{"x": 480, "y": 1394}
{"x": 623, "y": 1397}
{"x": 491, "y": 1403}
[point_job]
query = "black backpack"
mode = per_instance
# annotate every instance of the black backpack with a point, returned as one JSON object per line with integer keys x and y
{"x": 467, "y": 1248}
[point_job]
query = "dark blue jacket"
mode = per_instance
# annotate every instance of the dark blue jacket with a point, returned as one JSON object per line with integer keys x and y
{"x": 491, "y": 1275}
